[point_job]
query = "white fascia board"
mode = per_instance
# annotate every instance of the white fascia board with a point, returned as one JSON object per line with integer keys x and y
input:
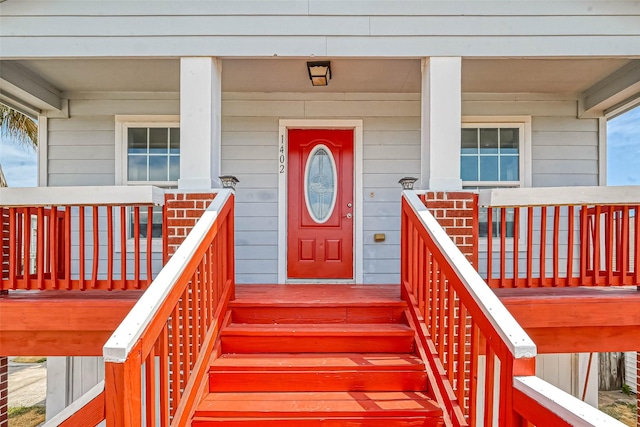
{"x": 563, "y": 196}
{"x": 567, "y": 407}
{"x": 512, "y": 334}
{"x": 119, "y": 345}
{"x": 82, "y": 196}
{"x": 29, "y": 87}
{"x": 623, "y": 85}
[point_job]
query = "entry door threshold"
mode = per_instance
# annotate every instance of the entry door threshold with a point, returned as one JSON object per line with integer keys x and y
{"x": 320, "y": 282}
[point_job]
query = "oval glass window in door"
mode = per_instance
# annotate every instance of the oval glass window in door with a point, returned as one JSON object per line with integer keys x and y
{"x": 320, "y": 183}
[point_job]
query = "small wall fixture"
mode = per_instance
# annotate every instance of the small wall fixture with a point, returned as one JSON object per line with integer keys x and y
{"x": 319, "y": 72}
{"x": 229, "y": 181}
{"x": 407, "y": 182}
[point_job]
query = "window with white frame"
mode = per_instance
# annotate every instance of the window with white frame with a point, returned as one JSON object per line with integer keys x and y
{"x": 149, "y": 154}
{"x": 493, "y": 155}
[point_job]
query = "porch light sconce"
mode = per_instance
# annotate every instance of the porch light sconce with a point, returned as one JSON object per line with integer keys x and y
{"x": 407, "y": 182}
{"x": 319, "y": 72}
{"x": 229, "y": 181}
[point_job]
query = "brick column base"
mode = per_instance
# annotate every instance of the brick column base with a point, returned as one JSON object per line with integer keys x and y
{"x": 457, "y": 213}
{"x": 182, "y": 212}
{"x": 4, "y": 391}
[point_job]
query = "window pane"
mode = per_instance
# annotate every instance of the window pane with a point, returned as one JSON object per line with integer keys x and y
{"x": 137, "y": 168}
{"x": 509, "y": 168}
{"x": 469, "y": 141}
{"x": 137, "y": 140}
{"x": 158, "y": 141}
{"x": 488, "y": 141}
{"x": 509, "y": 141}
{"x": 469, "y": 168}
{"x": 156, "y": 226}
{"x": 174, "y": 168}
{"x": 174, "y": 135}
{"x": 158, "y": 168}
{"x": 488, "y": 168}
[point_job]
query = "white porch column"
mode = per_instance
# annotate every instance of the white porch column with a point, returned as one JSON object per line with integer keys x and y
{"x": 200, "y": 135}
{"x": 440, "y": 123}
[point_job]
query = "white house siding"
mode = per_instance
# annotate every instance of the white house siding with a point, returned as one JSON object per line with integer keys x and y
{"x": 56, "y": 28}
{"x": 82, "y": 151}
{"x": 391, "y": 150}
{"x": 631, "y": 369}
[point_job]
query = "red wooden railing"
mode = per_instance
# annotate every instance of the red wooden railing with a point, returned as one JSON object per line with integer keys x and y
{"x": 481, "y": 362}
{"x": 559, "y": 244}
{"x": 463, "y": 326}
{"x": 156, "y": 361}
{"x": 83, "y": 245}
{"x": 87, "y": 410}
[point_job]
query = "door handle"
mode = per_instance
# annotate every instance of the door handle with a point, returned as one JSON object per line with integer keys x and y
{"x": 349, "y": 215}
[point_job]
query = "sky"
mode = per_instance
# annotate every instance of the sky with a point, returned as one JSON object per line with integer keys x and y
{"x": 623, "y": 149}
{"x": 623, "y": 155}
{"x": 19, "y": 163}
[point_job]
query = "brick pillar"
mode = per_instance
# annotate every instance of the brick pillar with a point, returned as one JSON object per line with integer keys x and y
{"x": 182, "y": 212}
{"x": 4, "y": 391}
{"x": 457, "y": 213}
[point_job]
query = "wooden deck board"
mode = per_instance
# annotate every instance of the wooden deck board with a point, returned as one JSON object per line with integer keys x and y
{"x": 61, "y": 323}
{"x": 578, "y": 319}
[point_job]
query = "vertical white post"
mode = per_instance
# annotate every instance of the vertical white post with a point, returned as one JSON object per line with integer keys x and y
{"x": 440, "y": 123}
{"x": 200, "y": 135}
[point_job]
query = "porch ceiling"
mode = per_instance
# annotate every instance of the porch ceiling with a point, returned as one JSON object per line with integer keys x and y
{"x": 500, "y": 75}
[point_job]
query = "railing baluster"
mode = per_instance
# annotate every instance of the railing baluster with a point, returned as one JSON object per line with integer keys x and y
{"x": 597, "y": 241}
{"x": 622, "y": 253}
{"x": 27, "y": 249}
{"x": 490, "y": 246}
{"x": 53, "y": 247}
{"x": 149, "y": 246}
{"x": 530, "y": 221}
{"x": 516, "y": 244}
{"x": 543, "y": 246}
{"x": 450, "y": 332}
{"x": 489, "y": 384}
{"x": 570, "y": 243}
{"x": 136, "y": 247}
{"x": 96, "y": 249}
{"x": 150, "y": 388}
{"x": 609, "y": 216}
{"x": 462, "y": 350}
{"x": 81, "y": 231}
{"x": 123, "y": 247}
{"x": 14, "y": 248}
{"x": 176, "y": 365}
{"x": 110, "y": 248}
{"x": 164, "y": 376}
{"x": 556, "y": 244}
{"x": 503, "y": 247}
{"x": 584, "y": 245}
{"x": 67, "y": 248}
{"x": 636, "y": 251}
{"x": 473, "y": 368}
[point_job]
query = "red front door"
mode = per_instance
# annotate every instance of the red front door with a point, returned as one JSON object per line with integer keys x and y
{"x": 320, "y": 204}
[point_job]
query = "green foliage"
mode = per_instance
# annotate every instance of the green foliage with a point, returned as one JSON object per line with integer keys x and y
{"x": 16, "y": 411}
{"x": 17, "y": 126}
{"x": 626, "y": 389}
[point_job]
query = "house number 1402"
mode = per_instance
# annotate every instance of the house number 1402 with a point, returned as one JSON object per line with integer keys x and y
{"x": 281, "y": 155}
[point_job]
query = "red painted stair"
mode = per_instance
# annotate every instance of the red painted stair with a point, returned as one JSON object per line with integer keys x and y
{"x": 299, "y": 355}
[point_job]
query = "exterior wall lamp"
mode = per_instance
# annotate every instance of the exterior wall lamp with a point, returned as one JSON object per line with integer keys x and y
{"x": 319, "y": 72}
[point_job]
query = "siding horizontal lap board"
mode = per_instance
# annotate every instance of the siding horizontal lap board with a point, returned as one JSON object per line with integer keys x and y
{"x": 300, "y": 28}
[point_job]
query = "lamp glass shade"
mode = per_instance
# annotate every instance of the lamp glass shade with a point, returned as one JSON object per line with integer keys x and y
{"x": 319, "y": 73}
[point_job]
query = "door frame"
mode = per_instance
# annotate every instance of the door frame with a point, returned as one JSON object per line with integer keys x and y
{"x": 283, "y": 126}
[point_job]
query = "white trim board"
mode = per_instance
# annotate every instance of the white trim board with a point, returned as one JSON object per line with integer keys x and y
{"x": 82, "y": 196}
{"x": 357, "y": 127}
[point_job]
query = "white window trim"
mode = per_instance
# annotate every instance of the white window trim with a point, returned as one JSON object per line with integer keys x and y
{"x": 525, "y": 162}
{"x": 123, "y": 123}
